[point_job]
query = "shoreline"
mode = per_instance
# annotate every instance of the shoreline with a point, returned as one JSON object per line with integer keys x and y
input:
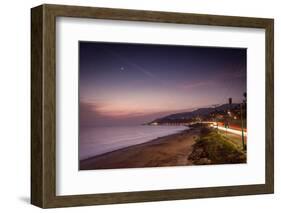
{"x": 170, "y": 150}
{"x": 137, "y": 145}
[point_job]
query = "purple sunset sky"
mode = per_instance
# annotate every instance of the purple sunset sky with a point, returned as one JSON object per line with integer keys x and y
{"x": 129, "y": 84}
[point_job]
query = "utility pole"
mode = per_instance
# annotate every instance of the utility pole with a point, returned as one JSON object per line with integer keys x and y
{"x": 216, "y": 118}
{"x": 242, "y": 126}
{"x": 228, "y": 116}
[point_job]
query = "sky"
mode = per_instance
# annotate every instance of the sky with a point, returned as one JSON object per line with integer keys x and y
{"x": 130, "y": 84}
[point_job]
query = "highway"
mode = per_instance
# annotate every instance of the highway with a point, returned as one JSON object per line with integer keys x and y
{"x": 234, "y": 131}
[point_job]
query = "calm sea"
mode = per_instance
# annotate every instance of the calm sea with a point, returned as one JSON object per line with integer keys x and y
{"x": 98, "y": 140}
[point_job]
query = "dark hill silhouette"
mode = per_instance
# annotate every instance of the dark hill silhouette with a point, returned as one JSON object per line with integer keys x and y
{"x": 198, "y": 112}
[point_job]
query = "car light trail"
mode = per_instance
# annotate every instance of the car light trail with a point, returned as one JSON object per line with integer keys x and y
{"x": 237, "y": 132}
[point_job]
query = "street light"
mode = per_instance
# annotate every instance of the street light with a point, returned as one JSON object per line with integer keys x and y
{"x": 242, "y": 126}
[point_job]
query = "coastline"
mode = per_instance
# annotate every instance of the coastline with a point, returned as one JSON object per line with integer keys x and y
{"x": 170, "y": 150}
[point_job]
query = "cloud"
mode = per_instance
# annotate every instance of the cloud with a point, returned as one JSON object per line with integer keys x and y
{"x": 91, "y": 114}
{"x": 196, "y": 84}
{"x": 240, "y": 74}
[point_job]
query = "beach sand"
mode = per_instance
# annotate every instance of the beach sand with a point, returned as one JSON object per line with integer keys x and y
{"x": 171, "y": 150}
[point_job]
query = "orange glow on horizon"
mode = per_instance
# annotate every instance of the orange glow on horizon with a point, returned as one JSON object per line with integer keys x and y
{"x": 127, "y": 109}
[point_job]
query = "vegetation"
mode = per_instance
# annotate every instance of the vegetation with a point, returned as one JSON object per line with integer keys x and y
{"x": 212, "y": 148}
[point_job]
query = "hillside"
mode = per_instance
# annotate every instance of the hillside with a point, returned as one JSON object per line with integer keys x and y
{"x": 201, "y": 112}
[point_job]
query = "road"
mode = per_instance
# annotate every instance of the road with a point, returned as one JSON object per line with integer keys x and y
{"x": 234, "y": 131}
{"x": 220, "y": 126}
{"x": 234, "y": 138}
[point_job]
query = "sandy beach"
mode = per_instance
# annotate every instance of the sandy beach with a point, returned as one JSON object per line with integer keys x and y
{"x": 171, "y": 150}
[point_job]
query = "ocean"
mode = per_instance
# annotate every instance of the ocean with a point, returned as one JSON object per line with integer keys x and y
{"x": 98, "y": 140}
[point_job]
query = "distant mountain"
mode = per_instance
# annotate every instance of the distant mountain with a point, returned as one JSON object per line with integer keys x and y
{"x": 197, "y": 112}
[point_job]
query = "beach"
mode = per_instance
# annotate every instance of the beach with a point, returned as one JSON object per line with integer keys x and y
{"x": 171, "y": 150}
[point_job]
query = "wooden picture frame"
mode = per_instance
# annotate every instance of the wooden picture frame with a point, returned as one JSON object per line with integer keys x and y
{"x": 43, "y": 105}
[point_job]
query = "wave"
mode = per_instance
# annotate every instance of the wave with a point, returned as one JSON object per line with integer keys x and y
{"x": 99, "y": 140}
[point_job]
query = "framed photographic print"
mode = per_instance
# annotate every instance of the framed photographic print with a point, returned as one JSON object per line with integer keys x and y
{"x": 136, "y": 106}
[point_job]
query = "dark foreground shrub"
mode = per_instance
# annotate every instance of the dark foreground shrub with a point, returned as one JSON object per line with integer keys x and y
{"x": 212, "y": 148}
